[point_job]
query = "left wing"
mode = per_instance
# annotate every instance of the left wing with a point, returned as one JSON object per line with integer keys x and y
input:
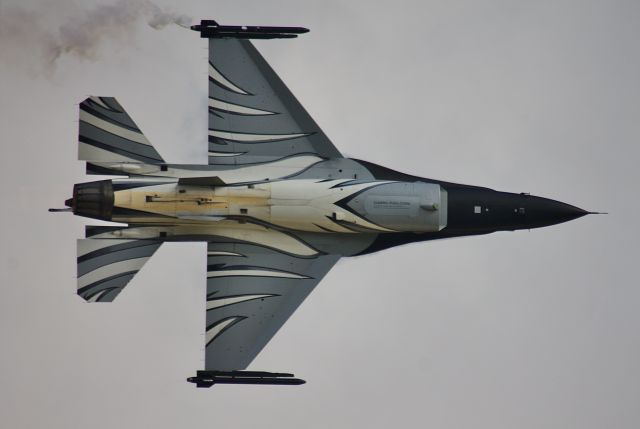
{"x": 253, "y": 117}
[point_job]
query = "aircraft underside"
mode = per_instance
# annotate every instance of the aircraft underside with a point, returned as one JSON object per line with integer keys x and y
{"x": 278, "y": 205}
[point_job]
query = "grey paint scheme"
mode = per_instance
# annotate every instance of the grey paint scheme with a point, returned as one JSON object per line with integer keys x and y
{"x": 336, "y": 244}
{"x": 401, "y": 206}
{"x": 240, "y": 62}
{"x": 90, "y": 136}
{"x": 258, "y": 319}
{"x": 261, "y": 282}
{"x": 336, "y": 168}
{"x": 106, "y": 258}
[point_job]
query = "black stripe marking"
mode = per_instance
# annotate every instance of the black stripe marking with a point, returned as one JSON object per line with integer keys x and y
{"x": 216, "y": 83}
{"x": 217, "y": 140}
{"x": 212, "y": 112}
{"x": 267, "y": 140}
{"x": 346, "y": 224}
{"x": 95, "y": 133}
{"x": 87, "y": 108}
{"x": 128, "y": 154}
{"x": 125, "y": 186}
{"x": 270, "y": 295}
{"x": 94, "y": 105}
{"x": 117, "y": 248}
{"x": 100, "y": 291}
{"x": 344, "y": 203}
{"x": 262, "y": 111}
{"x": 224, "y": 267}
{"x": 86, "y": 288}
{"x": 120, "y": 211}
{"x": 238, "y": 319}
{"x": 112, "y": 104}
{"x": 97, "y": 169}
{"x": 323, "y": 228}
{"x": 147, "y": 146}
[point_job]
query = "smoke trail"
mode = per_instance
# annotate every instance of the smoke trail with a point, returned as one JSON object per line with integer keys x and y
{"x": 28, "y": 32}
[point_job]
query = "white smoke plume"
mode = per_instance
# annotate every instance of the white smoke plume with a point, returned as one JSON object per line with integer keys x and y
{"x": 25, "y": 32}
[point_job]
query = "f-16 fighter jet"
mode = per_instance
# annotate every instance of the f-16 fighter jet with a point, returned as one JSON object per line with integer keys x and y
{"x": 277, "y": 204}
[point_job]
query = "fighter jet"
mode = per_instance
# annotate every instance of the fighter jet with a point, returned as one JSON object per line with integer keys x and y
{"x": 277, "y": 204}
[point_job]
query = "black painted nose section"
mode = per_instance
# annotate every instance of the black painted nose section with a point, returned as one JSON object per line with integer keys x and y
{"x": 473, "y": 209}
{"x": 544, "y": 212}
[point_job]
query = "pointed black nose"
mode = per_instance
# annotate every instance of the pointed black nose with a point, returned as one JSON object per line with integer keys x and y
{"x": 481, "y": 210}
{"x": 544, "y": 212}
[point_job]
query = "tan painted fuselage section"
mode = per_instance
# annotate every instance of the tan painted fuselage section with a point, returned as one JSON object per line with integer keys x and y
{"x": 304, "y": 205}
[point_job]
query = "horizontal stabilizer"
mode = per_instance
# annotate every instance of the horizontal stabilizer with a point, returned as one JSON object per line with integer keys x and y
{"x": 105, "y": 266}
{"x": 201, "y": 181}
{"x": 107, "y": 133}
{"x": 209, "y": 378}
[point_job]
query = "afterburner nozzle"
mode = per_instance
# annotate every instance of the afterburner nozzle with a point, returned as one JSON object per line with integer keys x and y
{"x": 92, "y": 199}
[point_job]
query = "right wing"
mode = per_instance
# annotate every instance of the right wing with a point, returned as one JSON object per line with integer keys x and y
{"x": 257, "y": 276}
{"x": 253, "y": 117}
{"x": 251, "y": 292}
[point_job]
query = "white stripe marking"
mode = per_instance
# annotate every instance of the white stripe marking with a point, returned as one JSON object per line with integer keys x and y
{"x": 241, "y": 137}
{"x": 100, "y": 102}
{"x": 113, "y": 129}
{"x": 215, "y": 75}
{"x": 212, "y": 153}
{"x": 219, "y": 302}
{"x": 254, "y": 273}
{"x": 220, "y": 253}
{"x": 236, "y": 108}
{"x": 87, "y": 152}
{"x": 215, "y": 330}
{"x": 105, "y": 271}
{"x": 88, "y": 245}
{"x": 98, "y": 295}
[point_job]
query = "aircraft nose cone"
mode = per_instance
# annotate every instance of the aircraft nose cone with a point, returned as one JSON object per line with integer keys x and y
{"x": 544, "y": 212}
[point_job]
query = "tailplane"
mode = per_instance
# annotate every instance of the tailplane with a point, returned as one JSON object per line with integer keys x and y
{"x": 107, "y": 134}
{"x": 105, "y": 266}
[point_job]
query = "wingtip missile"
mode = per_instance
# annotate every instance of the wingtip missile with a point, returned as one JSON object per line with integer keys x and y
{"x": 209, "y": 28}
{"x": 209, "y": 378}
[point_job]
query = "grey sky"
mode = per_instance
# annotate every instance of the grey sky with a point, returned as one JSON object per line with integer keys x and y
{"x": 528, "y": 329}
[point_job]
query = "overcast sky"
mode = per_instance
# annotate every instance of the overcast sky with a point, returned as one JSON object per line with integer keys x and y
{"x": 511, "y": 330}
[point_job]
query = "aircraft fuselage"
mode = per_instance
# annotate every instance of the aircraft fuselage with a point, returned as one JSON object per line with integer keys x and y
{"x": 382, "y": 202}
